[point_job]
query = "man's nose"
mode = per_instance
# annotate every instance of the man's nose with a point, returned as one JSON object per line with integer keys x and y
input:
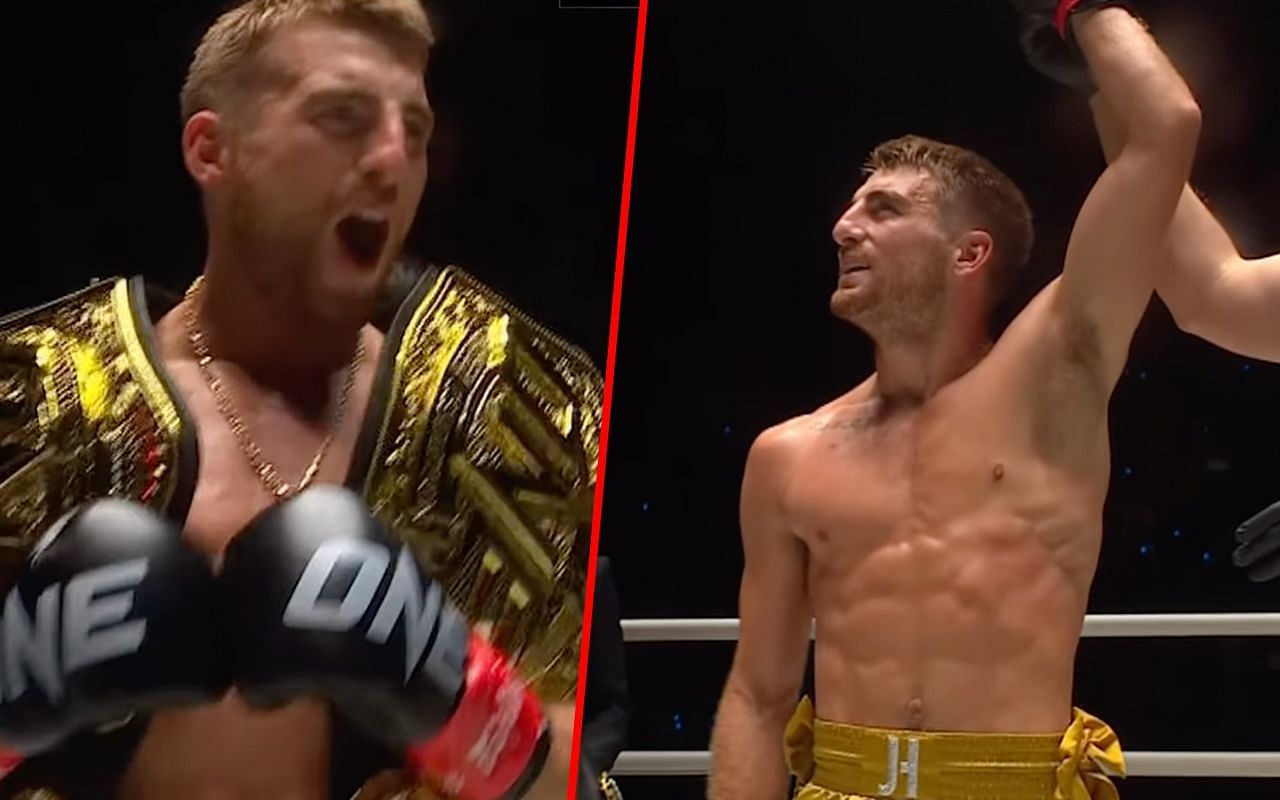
{"x": 387, "y": 155}
{"x": 848, "y": 230}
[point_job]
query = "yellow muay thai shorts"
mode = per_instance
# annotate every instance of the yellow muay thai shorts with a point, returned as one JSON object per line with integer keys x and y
{"x": 836, "y": 761}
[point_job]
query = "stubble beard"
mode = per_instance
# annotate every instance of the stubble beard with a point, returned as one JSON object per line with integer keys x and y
{"x": 272, "y": 252}
{"x": 907, "y": 312}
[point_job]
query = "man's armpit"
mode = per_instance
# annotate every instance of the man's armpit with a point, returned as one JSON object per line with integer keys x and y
{"x": 1072, "y": 397}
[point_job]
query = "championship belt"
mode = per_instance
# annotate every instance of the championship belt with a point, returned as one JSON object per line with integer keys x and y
{"x": 84, "y": 413}
{"x": 609, "y": 788}
{"x": 482, "y": 457}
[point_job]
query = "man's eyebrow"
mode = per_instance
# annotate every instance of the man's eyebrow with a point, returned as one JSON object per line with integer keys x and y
{"x": 415, "y": 108}
{"x": 331, "y": 93}
{"x": 419, "y": 110}
{"x": 889, "y": 196}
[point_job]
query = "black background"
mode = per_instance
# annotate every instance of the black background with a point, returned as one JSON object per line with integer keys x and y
{"x": 754, "y": 120}
{"x": 526, "y": 164}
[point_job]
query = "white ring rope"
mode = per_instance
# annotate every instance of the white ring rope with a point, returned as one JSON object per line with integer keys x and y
{"x": 1139, "y": 764}
{"x": 1095, "y": 626}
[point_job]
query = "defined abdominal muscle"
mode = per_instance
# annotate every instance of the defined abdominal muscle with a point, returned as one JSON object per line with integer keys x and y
{"x": 971, "y": 630}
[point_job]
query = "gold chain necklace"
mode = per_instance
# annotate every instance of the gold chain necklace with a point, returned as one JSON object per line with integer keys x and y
{"x": 264, "y": 469}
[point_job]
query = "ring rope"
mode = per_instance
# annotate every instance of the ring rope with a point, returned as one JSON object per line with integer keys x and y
{"x": 1095, "y": 626}
{"x": 1140, "y": 764}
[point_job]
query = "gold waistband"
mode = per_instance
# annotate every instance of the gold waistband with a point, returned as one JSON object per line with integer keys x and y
{"x": 882, "y": 762}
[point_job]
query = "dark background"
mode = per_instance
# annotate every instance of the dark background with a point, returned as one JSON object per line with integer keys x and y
{"x": 753, "y": 125}
{"x": 526, "y": 164}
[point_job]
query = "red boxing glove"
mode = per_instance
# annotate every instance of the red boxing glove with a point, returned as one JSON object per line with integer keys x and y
{"x": 495, "y": 738}
{"x": 9, "y": 761}
{"x": 1065, "y": 7}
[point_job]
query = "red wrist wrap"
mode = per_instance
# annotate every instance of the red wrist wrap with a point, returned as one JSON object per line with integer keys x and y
{"x": 9, "y": 761}
{"x": 486, "y": 745}
{"x": 1060, "y": 17}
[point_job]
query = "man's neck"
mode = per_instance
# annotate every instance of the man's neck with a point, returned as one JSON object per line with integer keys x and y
{"x": 271, "y": 341}
{"x": 911, "y": 372}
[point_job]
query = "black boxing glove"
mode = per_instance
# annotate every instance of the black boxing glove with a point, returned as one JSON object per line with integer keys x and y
{"x": 112, "y": 615}
{"x": 1259, "y": 545}
{"x": 1044, "y": 31}
{"x": 320, "y": 600}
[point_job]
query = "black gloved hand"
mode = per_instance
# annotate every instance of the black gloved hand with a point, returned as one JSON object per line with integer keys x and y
{"x": 320, "y": 600}
{"x": 111, "y": 615}
{"x": 1044, "y": 31}
{"x": 1259, "y": 550}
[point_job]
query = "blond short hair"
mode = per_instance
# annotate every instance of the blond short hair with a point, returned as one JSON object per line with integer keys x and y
{"x": 226, "y": 69}
{"x": 972, "y": 186}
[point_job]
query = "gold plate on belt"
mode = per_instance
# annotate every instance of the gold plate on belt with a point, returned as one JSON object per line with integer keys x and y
{"x": 83, "y": 414}
{"x": 485, "y": 464}
{"x": 609, "y": 787}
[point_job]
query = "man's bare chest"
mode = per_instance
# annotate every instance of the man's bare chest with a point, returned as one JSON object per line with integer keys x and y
{"x": 860, "y": 481}
{"x": 226, "y": 749}
{"x": 229, "y": 493}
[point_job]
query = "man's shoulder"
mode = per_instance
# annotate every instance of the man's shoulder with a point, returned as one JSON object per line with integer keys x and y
{"x": 14, "y": 318}
{"x": 451, "y": 301}
{"x": 772, "y": 451}
{"x": 484, "y": 416}
{"x": 784, "y": 439}
{"x": 784, "y": 436}
{"x": 86, "y": 413}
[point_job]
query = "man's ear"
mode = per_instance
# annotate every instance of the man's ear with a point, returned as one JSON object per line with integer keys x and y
{"x": 973, "y": 251}
{"x": 204, "y": 147}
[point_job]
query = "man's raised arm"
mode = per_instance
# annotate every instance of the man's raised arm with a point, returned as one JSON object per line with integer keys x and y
{"x": 1116, "y": 246}
{"x": 1211, "y": 290}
